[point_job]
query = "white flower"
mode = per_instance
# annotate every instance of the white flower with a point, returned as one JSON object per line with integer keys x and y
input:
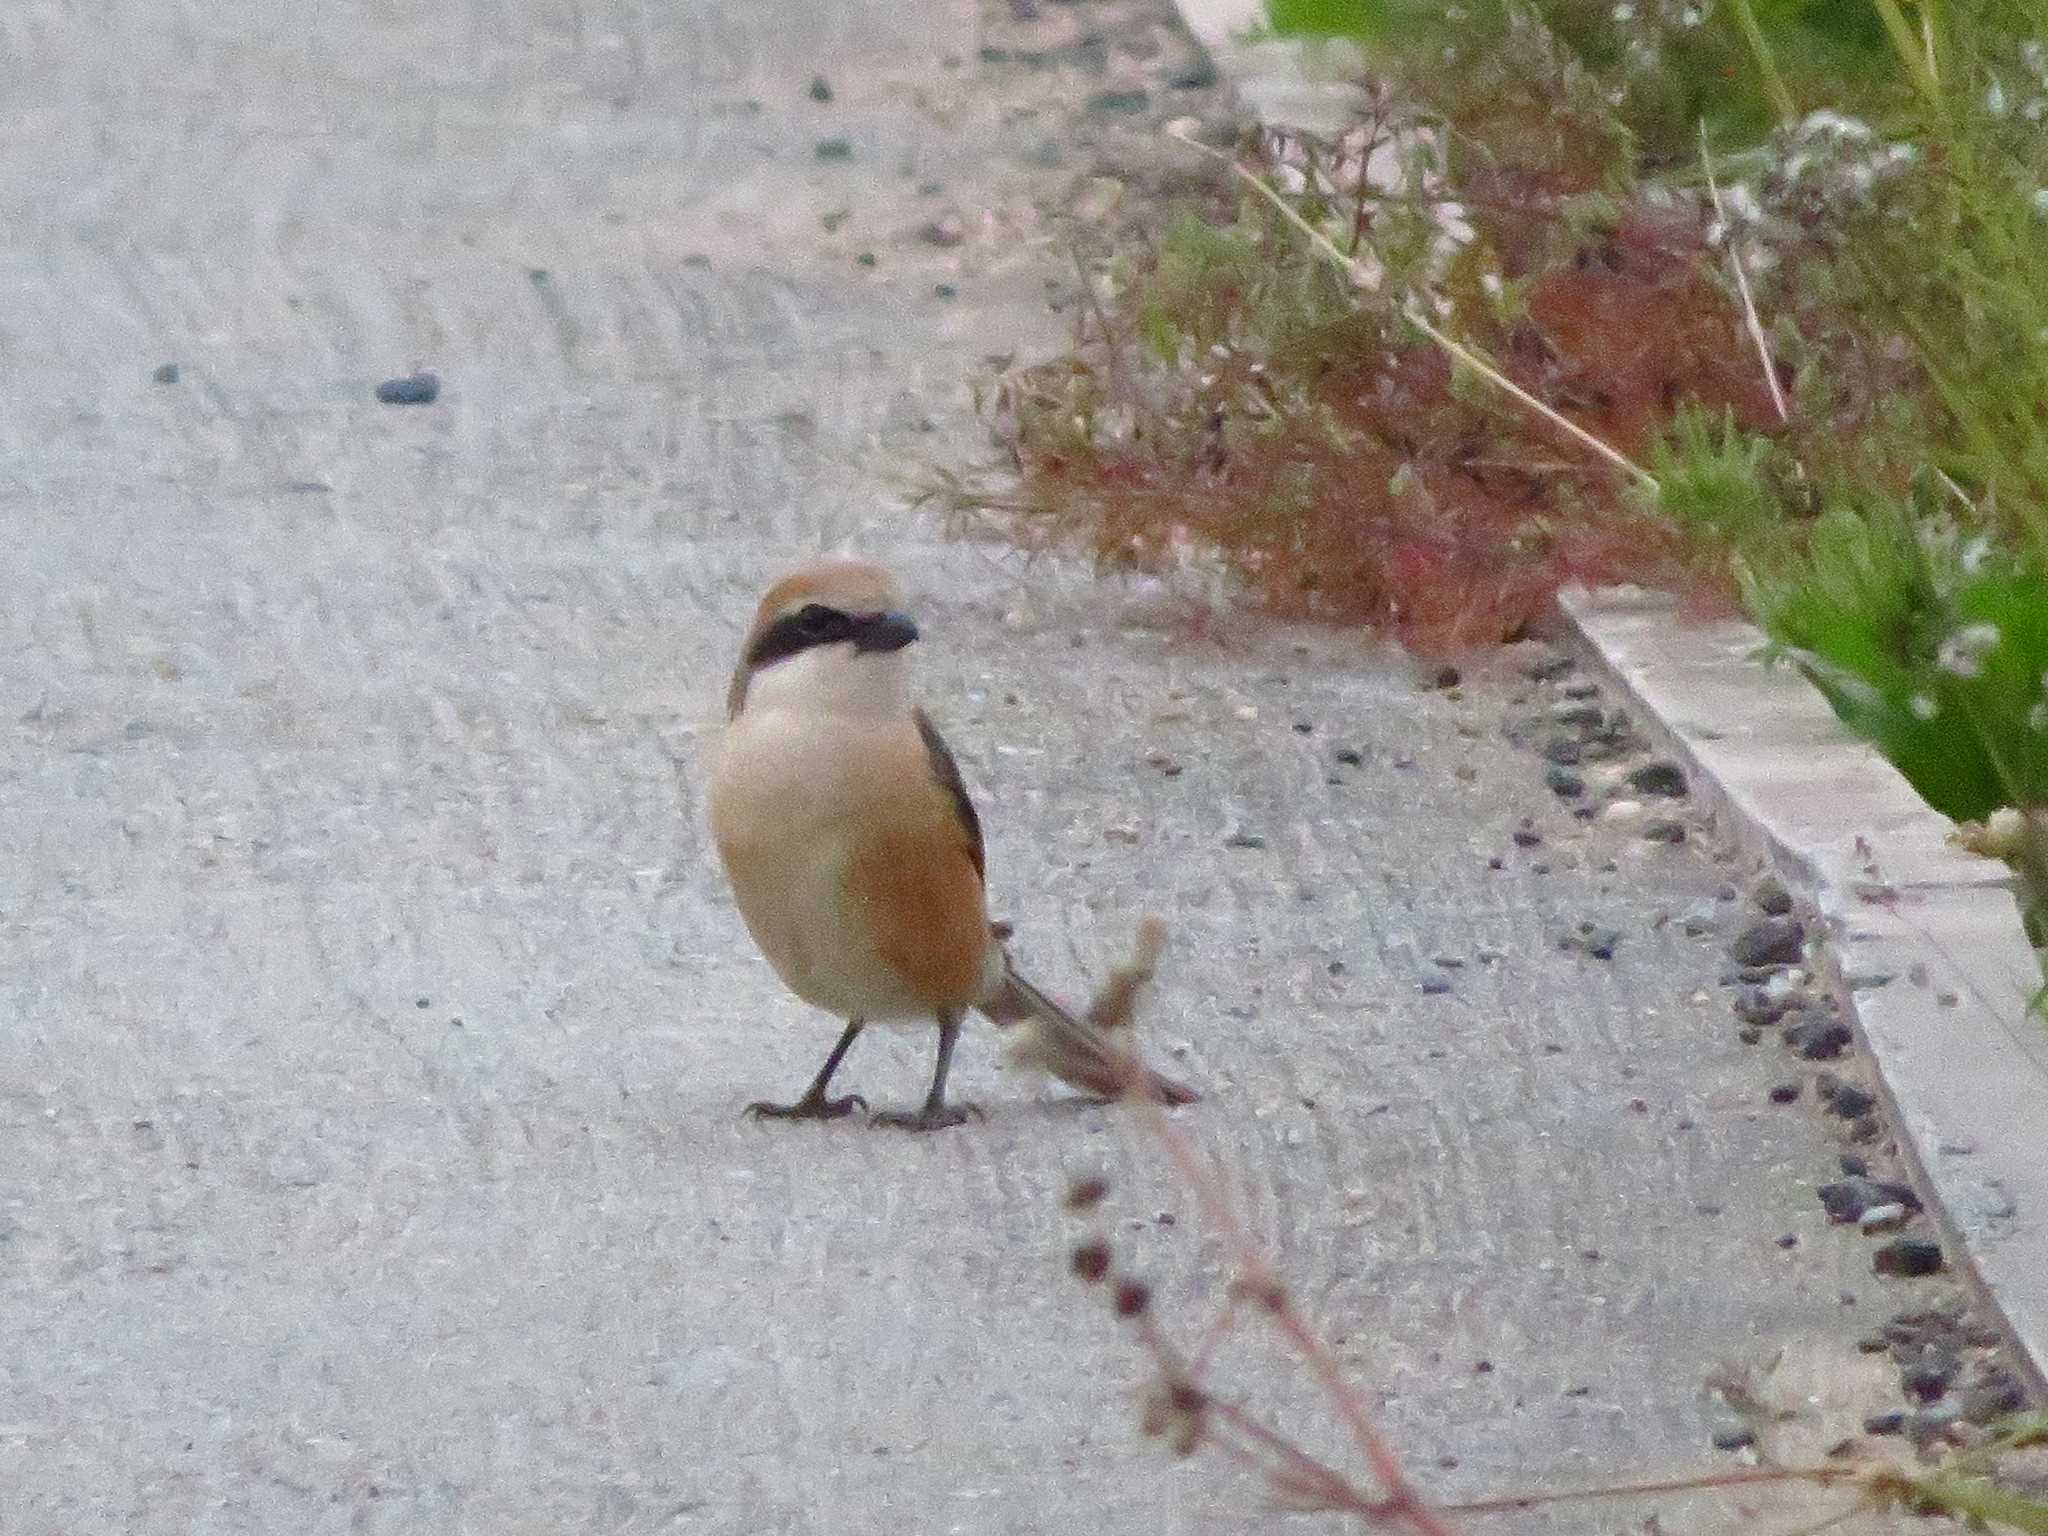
{"x": 2041, "y": 200}
{"x": 2037, "y": 718}
{"x": 1962, "y": 653}
{"x": 1923, "y": 707}
{"x": 1835, "y": 123}
{"x": 1974, "y": 554}
{"x": 1624, "y": 12}
{"x": 1994, "y": 100}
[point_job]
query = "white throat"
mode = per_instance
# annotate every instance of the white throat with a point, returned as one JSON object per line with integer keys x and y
{"x": 834, "y": 680}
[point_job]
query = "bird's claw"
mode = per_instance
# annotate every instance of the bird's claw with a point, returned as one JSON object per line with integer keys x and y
{"x": 932, "y": 1117}
{"x": 811, "y": 1106}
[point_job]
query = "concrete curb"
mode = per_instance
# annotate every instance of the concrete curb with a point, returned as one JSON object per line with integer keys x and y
{"x": 1925, "y": 945}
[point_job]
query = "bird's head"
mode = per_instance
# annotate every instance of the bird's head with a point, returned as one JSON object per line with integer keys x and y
{"x": 827, "y": 637}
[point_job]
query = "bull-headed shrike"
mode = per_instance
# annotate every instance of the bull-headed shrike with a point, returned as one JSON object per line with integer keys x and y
{"x": 854, "y": 851}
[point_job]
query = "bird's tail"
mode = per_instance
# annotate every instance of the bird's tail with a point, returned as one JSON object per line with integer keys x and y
{"x": 1080, "y": 1051}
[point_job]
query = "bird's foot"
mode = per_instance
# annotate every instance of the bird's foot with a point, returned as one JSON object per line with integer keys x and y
{"x": 812, "y": 1106}
{"x": 932, "y": 1117}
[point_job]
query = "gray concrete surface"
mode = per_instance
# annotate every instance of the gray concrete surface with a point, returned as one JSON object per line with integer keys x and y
{"x": 1930, "y": 955}
{"x": 375, "y": 1025}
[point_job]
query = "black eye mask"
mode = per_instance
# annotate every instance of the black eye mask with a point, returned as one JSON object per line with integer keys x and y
{"x": 815, "y": 624}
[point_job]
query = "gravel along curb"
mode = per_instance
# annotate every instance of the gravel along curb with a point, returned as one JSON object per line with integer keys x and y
{"x": 1929, "y": 960}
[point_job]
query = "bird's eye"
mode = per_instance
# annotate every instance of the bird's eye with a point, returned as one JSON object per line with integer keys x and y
{"x": 816, "y": 620}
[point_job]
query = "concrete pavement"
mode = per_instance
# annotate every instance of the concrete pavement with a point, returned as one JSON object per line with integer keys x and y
{"x": 375, "y": 1024}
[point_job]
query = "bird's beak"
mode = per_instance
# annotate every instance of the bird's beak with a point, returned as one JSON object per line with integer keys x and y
{"x": 883, "y": 631}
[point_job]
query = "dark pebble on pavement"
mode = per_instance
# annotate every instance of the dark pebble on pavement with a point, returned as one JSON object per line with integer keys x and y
{"x": 1818, "y": 1039}
{"x": 1851, "y": 1102}
{"x": 1590, "y": 939}
{"x": 1847, "y": 1199}
{"x": 1773, "y": 941}
{"x": 1664, "y": 830}
{"x": 166, "y": 373}
{"x": 1908, "y": 1257}
{"x": 1994, "y": 1393}
{"x": 413, "y": 389}
{"x": 1660, "y": 778}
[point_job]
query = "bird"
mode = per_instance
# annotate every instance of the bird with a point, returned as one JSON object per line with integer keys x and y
{"x": 855, "y": 854}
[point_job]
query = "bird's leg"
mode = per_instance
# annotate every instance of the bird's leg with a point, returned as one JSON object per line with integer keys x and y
{"x": 936, "y": 1114}
{"x": 814, "y": 1105}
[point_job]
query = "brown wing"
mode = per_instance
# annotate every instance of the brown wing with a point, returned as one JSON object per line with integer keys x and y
{"x": 946, "y": 769}
{"x": 916, "y": 873}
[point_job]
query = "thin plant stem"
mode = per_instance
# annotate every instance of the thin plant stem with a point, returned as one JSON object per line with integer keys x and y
{"x": 1749, "y": 315}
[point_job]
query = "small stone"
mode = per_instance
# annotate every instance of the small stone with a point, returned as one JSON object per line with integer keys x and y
{"x": 1785, "y": 1093}
{"x": 1890, "y": 1422}
{"x": 1848, "y": 1199}
{"x": 1773, "y": 941}
{"x": 1854, "y": 1166}
{"x": 1818, "y": 1039}
{"x": 1993, "y": 1394}
{"x": 1749, "y": 1034}
{"x": 413, "y": 389}
{"x": 1198, "y": 76}
{"x": 1664, "y": 830}
{"x": 1572, "y": 713}
{"x": 945, "y": 232}
{"x": 1119, "y": 102}
{"x": 1244, "y": 840}
{"x": 1564, "y": 751}
{"x": 1350, "y": 757}
{"x": 945, "y": 291}
{"x": 1930, "y": 1373}
{"x": 1435, "y": 986}
{"x": 865, "y": 259}
{"x": 1882, "y": 1218}
{"x": 1908, "y": 1257}
{"x": 1865, "y": 1130}
{"x": 166, "y": 373}
{"x": 821, "y": 88}
{"x": 1527, "y": 837}
{"x": 1622, "y": 810}
{"x": 1789, "y": 1240}
{"x": 1734, "y": 1437}
{"x": 1563, "y": 783}
{"x": 1663, "y": 779}
{"x": 1851, "y": 1102}
{"x": 833, "y": 149}
{"x": 1593, "y": 940}
{"x": 1754, "y": 1005}
{"x": 1581, "y": 689}
{"x": 1770, "y": 895}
